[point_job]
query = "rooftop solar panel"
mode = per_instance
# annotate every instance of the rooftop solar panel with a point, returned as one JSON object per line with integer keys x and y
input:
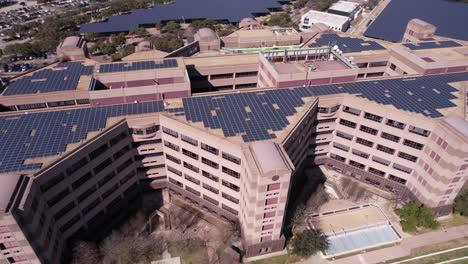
{"x": 346, "y": 44}
{"x": 63, "y": 77}
{"x": 251, "y": 115}
{"x": 137, "y": 66}
{"x": 432, "y": 45}
{"x": 232, "y": 11}
{"x": 448, "y": 16}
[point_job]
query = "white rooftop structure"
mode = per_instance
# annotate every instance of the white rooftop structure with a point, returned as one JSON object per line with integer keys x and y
{"x": 344, "y": 6}
{"x": 335, "y": 22}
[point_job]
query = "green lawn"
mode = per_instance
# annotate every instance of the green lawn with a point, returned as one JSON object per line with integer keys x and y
{"x": 441, "y": 257}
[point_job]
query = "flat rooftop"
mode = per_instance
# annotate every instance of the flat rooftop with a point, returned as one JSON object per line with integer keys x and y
{"x": 208, "y": 61}
{"x": 260, "y": 115}
{"x": 326, "y": 17}
{"x": 345, "y": 43}
{"x": 344, "y": 6}
{"x": 54, "y": 78}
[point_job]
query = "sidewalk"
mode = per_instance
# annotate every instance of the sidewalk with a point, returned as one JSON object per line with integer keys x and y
{"x": 406, "y": 245}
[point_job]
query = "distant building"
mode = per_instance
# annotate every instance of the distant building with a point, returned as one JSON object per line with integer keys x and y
{"x": 262, "y": 38}
{"x": 207, "y": 39}
{"x": 418, "y": 29}
{"x": 345, "y": 8}
{"x": 72, "y": 48}
{"x": 335, "y": 22}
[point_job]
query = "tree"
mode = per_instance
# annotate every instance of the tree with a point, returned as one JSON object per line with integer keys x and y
{"x": 166, "y": 43}
{"x": 197, "y": 24}
{"x": 138, "y": 32}
{"x": 85, "y": 252}
{"x": 119, "y": 39}
{"x": 461, "y": 203}
{"x": 414, "y": 215}
{"x": 280, "y": 20}
{"x": 309, "y": 242}
{"x": 171, "y": 27}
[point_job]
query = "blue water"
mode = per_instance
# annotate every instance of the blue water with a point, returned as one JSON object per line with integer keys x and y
{"x": 359, "y": 239}
{"x": 450, "y": 18}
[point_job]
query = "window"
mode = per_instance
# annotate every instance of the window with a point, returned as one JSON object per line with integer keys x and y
{"x": 91, "y": 206}
{"x": 171, "y": 146}
{"x": 344, "y": 135}
{"x": 193, "y": 191}
{"x": 360, "y": 153}
{"x": 337, "y": 157}
{"x": 95, "y": 153}
{"x": 210, "y": 163}
{"x": 76, "y": 166}
{"x": 58, "y": 197}
{"x": 397, "y": 179}
{"x": 173, "y": 159}
{"x": 347, "y": 123}
{"x": 273, "y": 186}
{"x": 231, "y": 158}
{"x": 121, "y": 152}
{"x": 82, "y": 180}
{"x": 106, "y": 178}
{"x": 385, "y": 149}
{"x": 390, "y": 137}
{"x": 419, "y": 131}
{"x": 189, "y": 154}
{"x": 52, "y": 182}
{"x": 392, "y": 66}
{"x": 64, "y": 210}
{"x": 267, "y": 227}
{"x": 210, "y": 188}
{"x": 210, "y": 149}
{"x": 376, "y": 172}
{"x": 246, "y": 74}
{"x": 269, "y": 214}
{"x": 102, "y": 166}
{"x": 191, "y": 167}
{"x": 356, "y": 164}
{"x": 364, "y": 142}
{"x": 230, "y": 172}
{"x": 124, "y": 165}
{"x": 230, "y": 198}
{"x": 211, "y": 200}
{"x": 229, "y": 209}
{"x": 378, "y": 64}
{"x": 178, "y": 183}
{"x": 413, "y": 144}
{"x": 351, "y": 110}
{"x": 327, "y": 120}
{"x": 170, "y": 132}
{"x": 340, "y": 146}
{"x": 210, "y": 176}
{"x": 402, "y": 168}
{"x": 191, "y": 179}
{"x": 395, "y": 124}
{"x": 173, "y": 170}
{"x": 189, "y": 140}
{"x": 110, "y": 191}
{"x": 230, "y": 185}
{"x": 221, "y": 76}
{"x": 407, "y": 156}
{"x": 127, "y": 177}
{"x": 70, "y": 223}
{"x": 152, "y": 129}
{"x": 368, "y": 130}
{"x": 373, "y": 117}
{"x": 137, "y": 131}
{"x": 381, "y": 161}
{"x": 86, "y": 194}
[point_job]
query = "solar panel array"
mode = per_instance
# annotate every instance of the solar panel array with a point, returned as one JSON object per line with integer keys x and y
{"x": 448, "y": 16}
{"x": 64, "y": 77}
{"x": 137, "y": 66}
{"x": 346, "y": 44}
{"x": 232, "y": 11}
{"x": 252, "y": 115}
{"x": 433, "y": 45}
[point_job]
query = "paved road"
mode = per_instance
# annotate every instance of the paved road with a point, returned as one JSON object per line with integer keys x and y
{"x": 406, "y": 245}
{"x": 360, "y": 28}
